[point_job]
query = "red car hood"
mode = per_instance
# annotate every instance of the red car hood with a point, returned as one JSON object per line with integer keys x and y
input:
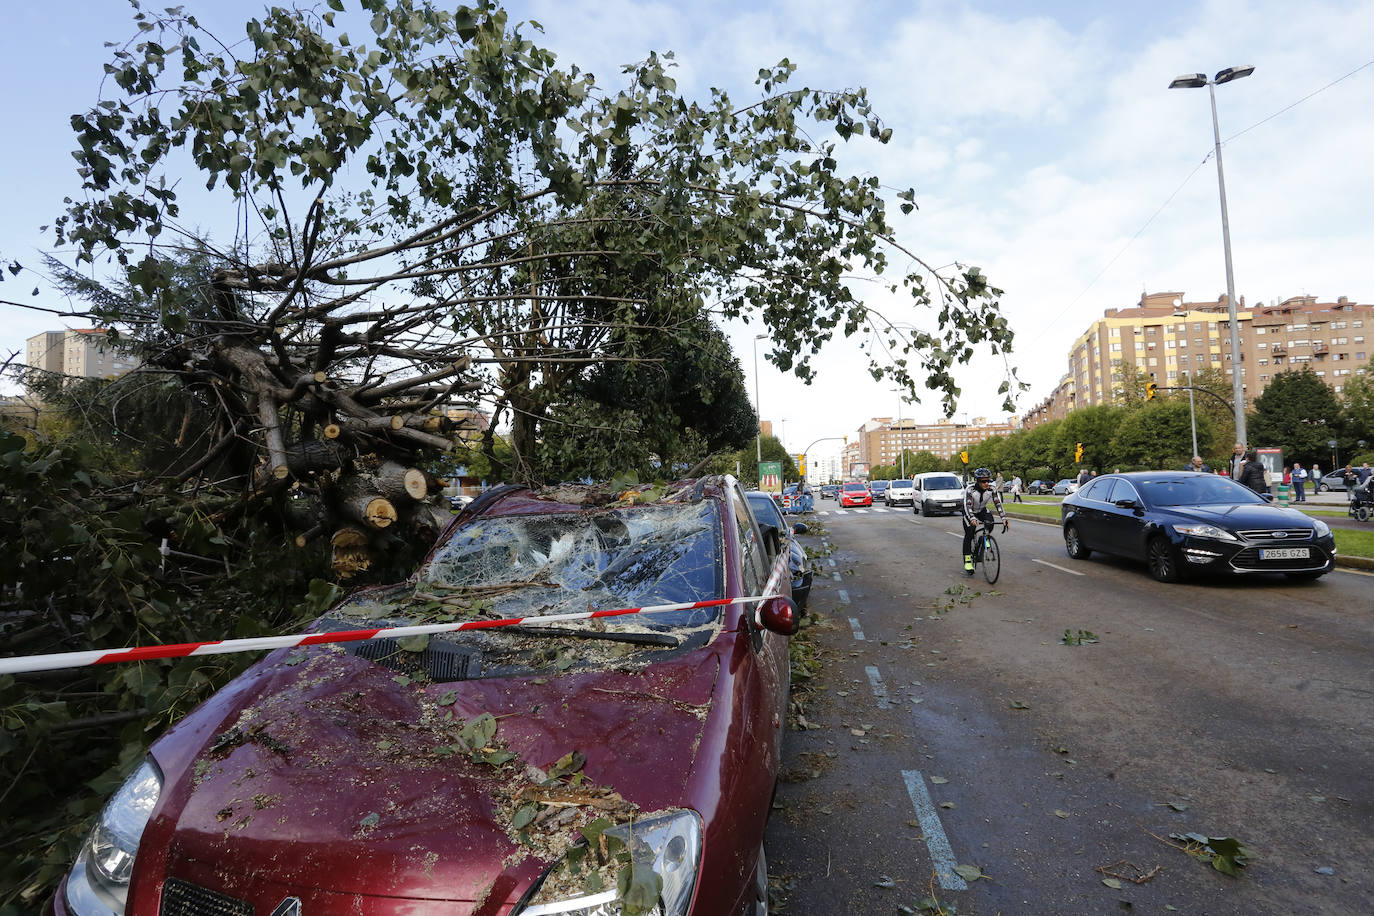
{"x": 324, "y": 774}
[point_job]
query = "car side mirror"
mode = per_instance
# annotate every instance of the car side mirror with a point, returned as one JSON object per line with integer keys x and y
{"x": 1128, "y": 504}
{"x": 1267, "y": 497}
{"x": 778, "y": 615}
{"x": 800, "y": 528}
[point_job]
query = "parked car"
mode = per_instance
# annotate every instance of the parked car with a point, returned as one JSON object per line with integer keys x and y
{"x": 1064, "y": 487}
{"x": 937, "y": 493}
{"x": 1335, "y": 481}
{"x": 1040, "y": 487}
{"x": 855, "y": 493}
{"x": 1183, "y": 523}
{"x": 899, "y": 493}
{"x": 777, "y": 537}
{"x": 473, "y": 770}
{"x": 830, "y": 491}
{"x": 878, "y": 488}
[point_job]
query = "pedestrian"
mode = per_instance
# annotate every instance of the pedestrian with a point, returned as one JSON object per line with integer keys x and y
{"x": 1252, "y": 473}
{"x": 1316, "y": 477}
{"x": 1197, "y": 464}
{"x": 1351, "y": 478}
{"x": 1288, "y": 475}
{"x": 1365, "y": 472}
{"x": 1083, "y": 477}
{"x": 1016, "y": 489}
{"x": 999, "y": 483}
{"x": 808, "y": 502}
{"x": 1299, "y": 482}
{"x": 1237, "y": 461}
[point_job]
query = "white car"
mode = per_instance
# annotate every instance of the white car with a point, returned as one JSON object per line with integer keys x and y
{"x": 937, "y": 493}
{"x": 899, "y": 493}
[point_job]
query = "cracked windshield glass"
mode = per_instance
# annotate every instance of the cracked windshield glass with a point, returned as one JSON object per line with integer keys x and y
{"x": 544, "y": 565}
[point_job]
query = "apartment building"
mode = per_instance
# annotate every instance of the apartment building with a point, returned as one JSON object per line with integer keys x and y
{"x": 1170, "y": 340}
{"x": 77, "y": 353}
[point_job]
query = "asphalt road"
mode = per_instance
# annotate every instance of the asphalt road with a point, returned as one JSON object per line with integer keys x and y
{"x": 952, "y": 727}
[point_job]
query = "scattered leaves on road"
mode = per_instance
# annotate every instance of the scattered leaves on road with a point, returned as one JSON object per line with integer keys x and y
{"x": 1081, "y": 638}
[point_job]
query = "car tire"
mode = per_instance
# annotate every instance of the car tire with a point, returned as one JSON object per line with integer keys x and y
{"x": 1159, "y": 557}
{"x": 1323, "y": 488}
{"x": 1073, "y": 544}
{"x": 915, "y": 507}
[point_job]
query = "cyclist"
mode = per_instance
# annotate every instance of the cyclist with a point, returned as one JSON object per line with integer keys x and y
{"x": 977, "y": 496}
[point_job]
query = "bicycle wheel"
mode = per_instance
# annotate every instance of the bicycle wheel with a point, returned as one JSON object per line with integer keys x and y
{"x": 992, "y": 560}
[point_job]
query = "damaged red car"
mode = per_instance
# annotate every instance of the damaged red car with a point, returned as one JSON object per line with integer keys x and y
{"x": 617, "y": 765}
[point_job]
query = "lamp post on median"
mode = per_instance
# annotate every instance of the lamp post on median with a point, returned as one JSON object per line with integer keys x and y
{"x": 758, "y": 438}
{"x": 901, "y": 452}
{"x": 1197, "y": 81}
{"x": 1192, "y": 410}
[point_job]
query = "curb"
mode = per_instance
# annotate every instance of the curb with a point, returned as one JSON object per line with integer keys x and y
{"x": 1365, "y": 563}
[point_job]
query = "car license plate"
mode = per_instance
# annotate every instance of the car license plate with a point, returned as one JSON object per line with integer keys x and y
{"x": 1284, "y": 553}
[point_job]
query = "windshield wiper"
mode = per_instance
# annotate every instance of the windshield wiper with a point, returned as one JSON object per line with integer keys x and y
{"x": 639, "y": 639}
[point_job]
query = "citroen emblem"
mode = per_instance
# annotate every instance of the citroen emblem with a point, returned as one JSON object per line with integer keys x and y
{"x": 291, "y": 906}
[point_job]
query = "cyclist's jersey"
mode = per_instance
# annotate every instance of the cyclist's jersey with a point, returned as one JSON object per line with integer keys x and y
{"x": 976, "y": 503}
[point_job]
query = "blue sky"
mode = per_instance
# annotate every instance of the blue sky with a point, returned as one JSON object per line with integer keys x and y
{"x": 1041, "y": 140}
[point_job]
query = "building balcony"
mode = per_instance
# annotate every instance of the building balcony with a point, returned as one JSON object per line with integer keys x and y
{"x": 1278, "y": 349}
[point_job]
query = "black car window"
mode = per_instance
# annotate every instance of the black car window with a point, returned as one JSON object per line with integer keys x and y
{"x": 1124, "y": 490}
{"x": 533, "y": 565}
{"x": 943, "y": 482}
{"x": 770, "y": 521}
{"x": 1098, "y": 490}
{"x": 1198, "y": 490}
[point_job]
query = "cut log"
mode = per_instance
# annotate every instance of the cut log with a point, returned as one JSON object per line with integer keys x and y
{"x": 332, "y": 431}
{"x": 370, "y": 509}
{"x": 352, "y": 553}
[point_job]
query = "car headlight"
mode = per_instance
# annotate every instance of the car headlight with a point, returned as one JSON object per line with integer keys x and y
{"x": 1321, "y": 528}
{"x": 99, "y": 882}
{"x": 1205, "y": 531}
{"x": 670, "y": 843}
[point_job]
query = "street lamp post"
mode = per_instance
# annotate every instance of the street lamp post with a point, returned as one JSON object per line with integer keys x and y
{"x": 901, "y": 452}
{"x": 758, "y": 438}
{"x": 1192, "y": 409}
{"x": 1197, "y": 81}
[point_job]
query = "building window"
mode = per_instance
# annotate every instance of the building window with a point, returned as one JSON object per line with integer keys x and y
{"x": 1259, "y": 330}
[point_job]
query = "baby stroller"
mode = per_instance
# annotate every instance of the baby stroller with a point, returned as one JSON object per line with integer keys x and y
{"x": 1362, "y": 500}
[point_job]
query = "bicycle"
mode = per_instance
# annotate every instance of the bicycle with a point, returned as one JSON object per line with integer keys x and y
{"x": 986, "y": 554}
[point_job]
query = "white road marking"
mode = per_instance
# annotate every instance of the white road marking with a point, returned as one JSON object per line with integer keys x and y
{"x": 835, "y": 576}
{"x": 941, "y": 855}
{"x": 955, "y": 534}
{"x": 858, "y": 632}
{"x": 831, "y": 561}
{"x": 844, "y": 596}
{"x": 1072, "y": 572}
{"x": 876, "y": 679}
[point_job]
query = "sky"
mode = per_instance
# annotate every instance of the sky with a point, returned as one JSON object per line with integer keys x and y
{"x": 1041, "y": 139}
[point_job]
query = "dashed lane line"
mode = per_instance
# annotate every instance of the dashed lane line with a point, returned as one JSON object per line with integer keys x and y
{"x": 879, "y": 688}
{"x": 1072, "y": 572}
{"x": 844, "y": 595}
{"x": 858, "y": 632}
{"x": 941, "y": 855}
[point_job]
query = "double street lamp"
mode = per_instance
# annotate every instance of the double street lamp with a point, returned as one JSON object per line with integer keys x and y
{"x": 1197, "y": 81}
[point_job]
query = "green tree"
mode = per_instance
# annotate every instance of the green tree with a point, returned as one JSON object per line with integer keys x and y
{"x": 1357, "y": 401}
{"x": 1299, "y": 413}
{"x": 498, "y": 203}
{"x": 924, "y": 462}
{"x": 1094, "y": 427}
{"x": 1159, "y": 436}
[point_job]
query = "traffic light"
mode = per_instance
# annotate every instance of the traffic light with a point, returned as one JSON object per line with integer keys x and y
{"x": 1149, "y": 391}
{"x": 1078, "y": 453}
{"x": 963, "y": 456}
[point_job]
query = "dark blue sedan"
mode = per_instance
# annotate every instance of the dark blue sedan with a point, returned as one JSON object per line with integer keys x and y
{"x": 1181, "y": 523}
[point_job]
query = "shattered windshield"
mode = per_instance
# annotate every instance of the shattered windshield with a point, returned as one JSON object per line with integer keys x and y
{"x": 539, "y": 565}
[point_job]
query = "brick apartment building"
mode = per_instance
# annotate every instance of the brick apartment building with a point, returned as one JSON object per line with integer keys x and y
{"x": 1169, "y": 339}
{"x": 881, "y": 440}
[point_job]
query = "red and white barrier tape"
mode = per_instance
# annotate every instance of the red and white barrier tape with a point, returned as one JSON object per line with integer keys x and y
{"x": 59, "y": 660}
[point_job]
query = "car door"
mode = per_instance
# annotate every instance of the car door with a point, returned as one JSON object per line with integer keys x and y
{"x": 1088, "y": 515}
{"x": 1122, "y": 521}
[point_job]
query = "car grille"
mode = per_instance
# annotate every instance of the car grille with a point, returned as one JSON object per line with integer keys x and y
{"x": 1278, "y": 535}
{"x": 441, "y": 662}
{"x": 181, "y": 898}
{"x": 1249, "y": 558}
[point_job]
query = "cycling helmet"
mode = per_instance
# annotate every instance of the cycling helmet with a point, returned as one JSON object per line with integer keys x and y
{"x": 982, "y": 474}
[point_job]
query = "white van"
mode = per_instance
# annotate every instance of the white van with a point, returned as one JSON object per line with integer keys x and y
{"x": 937, "y": 493}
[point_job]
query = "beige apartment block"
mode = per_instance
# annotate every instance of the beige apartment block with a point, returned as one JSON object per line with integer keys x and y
{"x": 1170, "y": 340}
{"x": 78, "y": 353}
